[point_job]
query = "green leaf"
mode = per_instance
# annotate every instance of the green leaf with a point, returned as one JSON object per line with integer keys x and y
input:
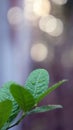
{"x": 49, "y": 90}
{"x": 45, "y": 108}
{"x": 23, "y": 97}
{"x": 6, "y": 94}
{"x": 5, "y": 111}
{"x": 37, "y": 82}
{"x": 5, "y": 126}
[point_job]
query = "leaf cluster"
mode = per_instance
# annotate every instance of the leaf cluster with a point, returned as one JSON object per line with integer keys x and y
{"x": 15, "y": 98}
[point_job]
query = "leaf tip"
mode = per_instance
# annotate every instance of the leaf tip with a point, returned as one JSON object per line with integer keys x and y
{"x": 60, "y": 106}
{"x": 65, "y": 80}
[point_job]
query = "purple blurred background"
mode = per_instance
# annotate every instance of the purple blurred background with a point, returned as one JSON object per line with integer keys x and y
{"x": 26, "y": 43}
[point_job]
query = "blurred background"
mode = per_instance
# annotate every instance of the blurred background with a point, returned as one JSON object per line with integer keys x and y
{"x": 39, "y": 34}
